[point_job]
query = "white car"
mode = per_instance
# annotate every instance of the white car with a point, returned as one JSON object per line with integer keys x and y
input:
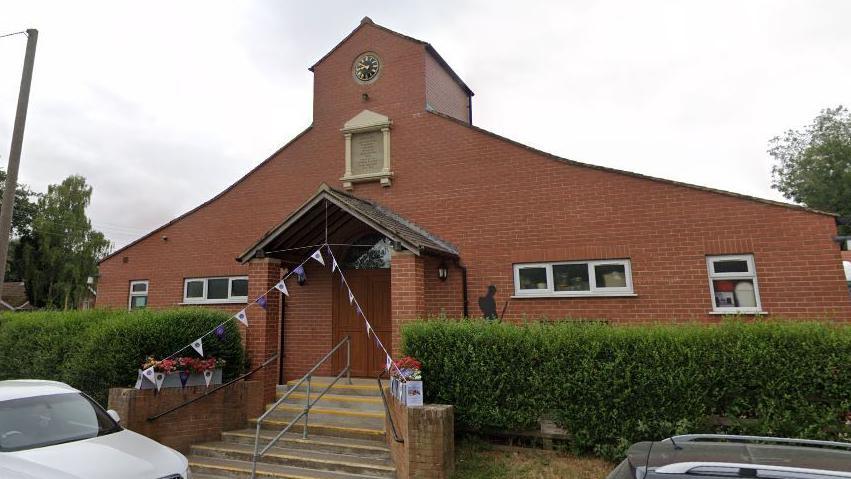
{"x": 49, "y": 430}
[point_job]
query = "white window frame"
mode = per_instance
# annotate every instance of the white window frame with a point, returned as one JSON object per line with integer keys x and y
{"x": 749, "y": 275}
{"x": 134, "y": 294}
{"x": 593, "y": 290}
{"x": 203, "y": 299}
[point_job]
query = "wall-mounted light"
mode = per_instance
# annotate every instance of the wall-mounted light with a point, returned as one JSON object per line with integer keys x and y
{"x": 443, "y": 271}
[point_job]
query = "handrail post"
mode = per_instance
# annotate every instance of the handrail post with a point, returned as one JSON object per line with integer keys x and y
{"x": 349, "y": 360}
{"x": 306, "y": 408}
{"x": 256, "y": 447}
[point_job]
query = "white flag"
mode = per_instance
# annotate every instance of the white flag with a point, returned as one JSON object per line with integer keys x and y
{"x": 351, "y": 297}
{"x": 368, "y": 327}
{"x": 159, "y": 380}
{"x": 150, "y": 375}
{"x": 242, "y": 317}
{"x": 388, "y": 364}
{"x": 333, "y": 264}
{"x": 208, "y": 376}
{"x": 282, "y": 287}
{"x": 318, "y": 257}
{"x": 198, "y": 346}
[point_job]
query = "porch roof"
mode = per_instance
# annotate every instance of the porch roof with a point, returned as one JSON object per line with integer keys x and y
{"x": 346, "y": 214}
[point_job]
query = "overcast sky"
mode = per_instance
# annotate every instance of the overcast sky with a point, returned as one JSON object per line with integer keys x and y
{"x": 161, "y": 105}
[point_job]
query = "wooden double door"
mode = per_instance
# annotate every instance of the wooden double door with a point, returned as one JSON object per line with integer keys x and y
{"x": 371, "y": 287}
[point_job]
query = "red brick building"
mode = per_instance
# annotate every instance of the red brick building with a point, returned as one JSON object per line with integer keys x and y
{"x": 392, "y": 159}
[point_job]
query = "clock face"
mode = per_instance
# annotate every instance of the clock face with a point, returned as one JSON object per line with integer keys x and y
{"x": 366, "y": 67}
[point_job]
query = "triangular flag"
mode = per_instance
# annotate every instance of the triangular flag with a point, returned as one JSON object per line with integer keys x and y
{"x": 299, "y": 270}
{"x": 150, "y": 375}
{"x": 220, "y": 331}
{"x": 388, "y": 363}
{"x": 358, "y": 311}
{"x": 262, "y": 301}
{"x": 368, "y": 327}
{"x": 199, "y": 347}
{"x": 159, "y": 380}
{"x": 351, "y": 297}
{"x": 184, "y": 377}
{"x": 333, "y": 264}
{"x": 208, "y": 376}
{"x": 242, "y": 317}
{"x": 282, "y": 287}
{"x": 318, "y": 257}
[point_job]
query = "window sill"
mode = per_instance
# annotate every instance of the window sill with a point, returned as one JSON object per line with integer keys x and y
{"x": 737, "y": 313}
{"x": 569, "y": 296}
{"x": 207, "y": 303}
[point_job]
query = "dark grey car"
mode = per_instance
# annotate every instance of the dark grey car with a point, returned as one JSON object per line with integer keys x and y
{"x": 725, "y": 456}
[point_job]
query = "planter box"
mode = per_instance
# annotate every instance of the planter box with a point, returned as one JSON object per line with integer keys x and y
{"x": 173, "y": 380}
{"x": 409, "y": 393}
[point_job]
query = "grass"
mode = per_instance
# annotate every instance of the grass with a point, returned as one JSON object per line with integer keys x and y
{"x": 476, "y": 459}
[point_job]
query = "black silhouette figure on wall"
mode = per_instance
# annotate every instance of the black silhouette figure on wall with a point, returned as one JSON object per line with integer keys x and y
{"x": 487, "y": 304}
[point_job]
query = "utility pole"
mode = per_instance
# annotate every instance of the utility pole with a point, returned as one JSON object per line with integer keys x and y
{"x": 15, "y": 154}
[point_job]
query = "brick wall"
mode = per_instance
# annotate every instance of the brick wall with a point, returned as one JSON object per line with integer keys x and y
{"x": 204, "y": 420}
{"x": 307, "y": 323}
{"x": 443, "y": 94}
{"x": 407, "y": 285}
{"x": 428, "y": 432}
{"x": 263, "y": 332}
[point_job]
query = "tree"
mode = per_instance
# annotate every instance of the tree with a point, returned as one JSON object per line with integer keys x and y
{"x": 62, "y": 251}
{"x": 814, "y": 165}
{"x": 22, "y": 219}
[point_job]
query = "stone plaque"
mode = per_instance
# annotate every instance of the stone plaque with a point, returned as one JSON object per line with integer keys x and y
{"x": 367, "y": 152}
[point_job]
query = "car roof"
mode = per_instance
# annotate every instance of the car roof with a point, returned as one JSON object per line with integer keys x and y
{"x": 24, "y": 388}
{"x": 742, "y": 450}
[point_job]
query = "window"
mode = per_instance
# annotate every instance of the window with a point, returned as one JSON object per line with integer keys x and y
{"x": 575, "y": 278}
{"x": 138, "y": 294}
{"x": 216, "y": 290}
{"x": 732, "y": 282}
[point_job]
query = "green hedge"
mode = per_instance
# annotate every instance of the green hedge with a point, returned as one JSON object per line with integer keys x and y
{"x": 95, "y": 350}
{"x": 610, "y": 386}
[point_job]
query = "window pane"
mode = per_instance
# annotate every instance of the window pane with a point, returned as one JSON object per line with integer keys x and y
{"x": 731, "y": 266}
{"x": 217, "y": 288}
{"x": 239, "y": 288}
{"x": 195, "y": 289}
{"x": 137, "y": 302}
{"x": 139, "y": 287}
{"x": 571, "y": 277}
{"x": 533, "y": 278}
{"x": 610, "y": 275}
{"x": 734, "y": 293}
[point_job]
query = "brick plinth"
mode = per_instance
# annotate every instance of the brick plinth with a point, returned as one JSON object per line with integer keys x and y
{"x": 428, "y": 435}
{"x": 263, "y": 329}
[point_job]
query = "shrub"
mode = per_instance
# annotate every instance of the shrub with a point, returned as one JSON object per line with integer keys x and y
{"x": 95, "y": 350}
{"x": 610, "y": 386}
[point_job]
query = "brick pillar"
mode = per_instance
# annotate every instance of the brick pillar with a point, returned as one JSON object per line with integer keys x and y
{"x": 264, "y": 324}
{"x": 407, "y": 291}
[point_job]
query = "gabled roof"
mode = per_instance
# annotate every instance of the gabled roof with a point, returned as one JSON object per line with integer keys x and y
{"x": 306, "y": 222}
{"x": 630, "y": 173}
{"x": 430, "y": 49}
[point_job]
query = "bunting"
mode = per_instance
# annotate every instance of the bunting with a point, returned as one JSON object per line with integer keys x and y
{"x": 351, "y": 297}
{"x": 242, "y": 317}
{"x": 159, "y": 379}
{"x": 198, "y": 346}
{"x": 282, "y": 287}
{"x": 368, "y": 327}
{"x": 334, "y": 264}
{"x": 184, "y": 377}
{"x": 208, "y": 376}
{"x": 318, "y": 256}
{"x": 150, "y": 375}
{"x": 262, "y": 301}
{"x": 220, "y": 331}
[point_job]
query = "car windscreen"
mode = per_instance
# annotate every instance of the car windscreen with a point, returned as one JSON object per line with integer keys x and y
{"x": 40, "y": 421}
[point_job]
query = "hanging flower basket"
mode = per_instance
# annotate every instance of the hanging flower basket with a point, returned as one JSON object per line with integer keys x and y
{"x": 181, "y": 372}
{"x": 406, "y": 383}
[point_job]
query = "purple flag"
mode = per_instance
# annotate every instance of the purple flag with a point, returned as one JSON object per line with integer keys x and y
{"x": 358, "y": 311}
{"x": 299, "y": 270}
{"x": 262, "y": 301}
{"x": 220, "y": 331}
{"x": 184, "y": 376}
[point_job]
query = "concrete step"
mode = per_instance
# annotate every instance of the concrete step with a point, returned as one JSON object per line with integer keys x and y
{"x": 357, "y": 388}
{"x": 204, "y": 466}
{"x": 351, "y": 417}
{"x": 360, "y": 403}
{"x": 307, "y": 459}
{"x": 324, "y": 429}
{"x": 314, "y": 442}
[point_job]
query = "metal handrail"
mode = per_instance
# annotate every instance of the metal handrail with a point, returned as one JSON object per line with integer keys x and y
{"x": 387, "y": 409}
{"x": 211, "y": 391}
{"x": 305, "y": 413}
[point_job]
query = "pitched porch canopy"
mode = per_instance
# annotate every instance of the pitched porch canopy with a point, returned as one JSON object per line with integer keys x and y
{"x": 342, "y": 218}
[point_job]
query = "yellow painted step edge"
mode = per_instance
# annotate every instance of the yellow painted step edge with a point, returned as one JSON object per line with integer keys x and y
{"x": 247, "y": 469}
{"x": 374, "y": 432}
{"x": 312, "y": 441}
{"x": 300, "y": 458}
{"x": 340, "y": 385}
{"x": 333, "y": 412}
{"x": 336, "y": 397}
